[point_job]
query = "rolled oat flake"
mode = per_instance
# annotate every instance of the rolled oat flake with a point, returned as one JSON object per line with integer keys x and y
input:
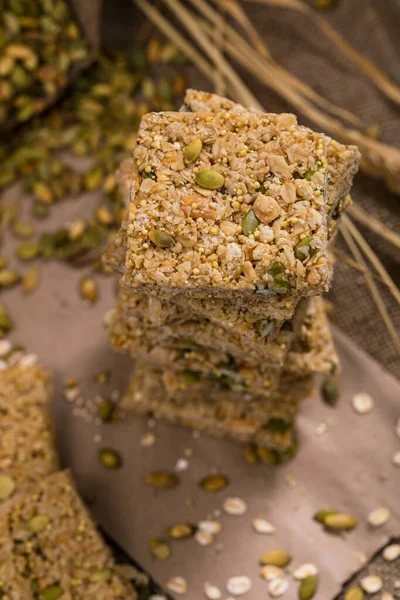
{"x": 212, "y": 592}
{"x": 269, "y": 573}
{"x": 362, "y": 403}
{"x": 391, "y": 552}
{"x": 305, "y": 570}
{"x": 371, "y": 584}
{"x": 203, "y": 538}
{"x": 263, "y": 526}
{"x": 278, "y": 587}
{"x": 177, "y": 584}
{"x": 235, "y": 506}
{"x": 238, "y": 586}
{"x": 379, "y": 517}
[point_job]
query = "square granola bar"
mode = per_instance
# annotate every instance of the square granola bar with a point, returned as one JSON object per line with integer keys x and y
{"x": 27, "y": 450}
{"x": 230, "y": 203}
{"x": 50, "y": 548}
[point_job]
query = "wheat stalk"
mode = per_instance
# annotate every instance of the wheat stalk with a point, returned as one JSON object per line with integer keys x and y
{"x": 375, "y": 225}
{"x": 388, "y": 87}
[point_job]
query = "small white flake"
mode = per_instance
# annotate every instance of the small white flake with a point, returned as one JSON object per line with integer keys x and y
{"x": 397, "y": 584}
{"x": 278, "y": 587}
{"x": 28, "y": 360}
{"x": 321, "y": 429}
{"x": 263, "y": 526}
{"x": 371, "y": 584}
{"x": 210, "y": 527}
{"x": 147, "y": 439}
{"x": 109, "y": 317}
{"x": 396, "y": 458}
{"x": 196, "y": 434}
{"x": 3, "y": 365}
{"x": 97, "y": 438}
{"x": 378, "y": 517}
{"x": 238, "y": 586}
{"x": 212, "y": 592}
{"x": 270, "y": 573}
{"x": 362, "y": 403}
{"x": 361, "y": 558}
{"x": 72, "y": 394}
{"x": 235, "y": 506}
{"x": 290, "y": 480}
{"x": 182, "y": 465}
{"x": 203, "y": 538}
{"x": 391, "y": 552}
{"x": 305, "y": 570}
{"x": 177, "y": 584}
{"x": 151, "y": 423}
{"x": 5, "y": 347}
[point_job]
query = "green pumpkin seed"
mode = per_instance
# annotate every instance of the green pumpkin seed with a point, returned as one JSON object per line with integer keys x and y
{"x": 330, "y": 391}
{"x": 53, "y": 592}
{"x": 8, "y": 278}
{"x": 276, "y": 558}
{"x": 321, "y": 514}
{"x": 250, "y": 454}
{"x": 309, "y": 174}
{"x": 210, "y": 180}
{"x": 214, "y": 483}
{"x": 340, "y": 522}
{"x": 28, "y": 250}
{"x": 268, "y": 457}
{"x": 110, "y": 459}
{"x": 280, "y": 284}
{"x": 102, "y": 575}
{"x": 31, "y": 279}
{"x": 354, "y": 593}
{"x": 162, "y": 239}
{"x": 304, "y": 249}
{"x": 277, "y": 425}
{"x": 7, "y": 487}
{"x": 5, "y": 321}
{"x": 160, "y": 549}
{"x": 193, "y": 150}
{"x": 250, "y": 223}
{"x": 43, "y": 192}
{"x": 38, "y": 523}
{"x": 276, "y": 269}
{"x": 308, "y": 587}
{"x": 88, "y": 289}
{"x": 22, "y": 230}
{"x": 181, "y": 531}
{"x": 93, "y": 178}
{"x": 264, "y": 327}
{"x": 162, "y": 479}
{"x": 107, "y": 410}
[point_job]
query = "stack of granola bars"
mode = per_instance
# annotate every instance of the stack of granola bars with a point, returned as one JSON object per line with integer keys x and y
{"x": 224, "y": 256}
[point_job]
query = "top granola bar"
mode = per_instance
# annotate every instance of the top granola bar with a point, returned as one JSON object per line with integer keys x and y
{"x": 231, "y": 202}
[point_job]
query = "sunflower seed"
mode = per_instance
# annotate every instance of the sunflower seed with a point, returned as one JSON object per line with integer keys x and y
{"x": 238, "y": 586}
{"x": 263, "y": 526}
{"x": 371, "y": 584}
{"x": 362, "y": 403}
{"x": 235, "y": 506}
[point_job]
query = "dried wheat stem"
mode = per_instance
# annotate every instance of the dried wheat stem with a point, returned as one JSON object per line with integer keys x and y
{"x": 219, "y": 80}
{"x": 372, "y": 257}
{"x": 375, "y": 225}
{"x": 372, "y": 286}
{"x": 388, "y": 87}
{"x": 242, "y": 19}
{"x": 213, "y": 53}
{"x": 343, "y": 257}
